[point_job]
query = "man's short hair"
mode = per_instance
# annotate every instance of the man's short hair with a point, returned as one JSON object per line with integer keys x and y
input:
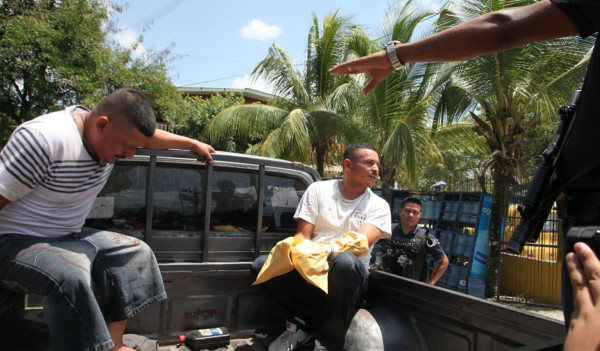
{"x": 351, "y": 151}
{"x": 412, "y": 200}
{"x": 128, "y": 107}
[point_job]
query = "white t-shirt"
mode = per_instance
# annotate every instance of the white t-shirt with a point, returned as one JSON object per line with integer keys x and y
{"x": 333, "y": 216}
{"x": 49, "y": 177}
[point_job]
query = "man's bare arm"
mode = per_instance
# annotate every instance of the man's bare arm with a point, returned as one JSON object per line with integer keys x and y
{"x": 486, "y": 34}
{"x": 304, "y": 229}
{"x": 492, "y": 32}
{"x": 165, "y": 140}
{"x": 439, "y": 271}
{"x": 372, "y": 233}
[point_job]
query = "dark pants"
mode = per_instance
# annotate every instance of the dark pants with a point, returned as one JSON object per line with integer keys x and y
{"x": 327, "y": 316}
{"x": 122, "y": 269}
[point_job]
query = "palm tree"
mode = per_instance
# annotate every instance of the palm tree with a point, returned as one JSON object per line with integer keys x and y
{"x": 410, "y": 114}
{"x": 514, "y": 91}
{"x": 300, "y": 121}
{"x": 394, "y": 116}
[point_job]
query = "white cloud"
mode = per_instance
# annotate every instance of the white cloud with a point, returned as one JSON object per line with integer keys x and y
{"x": 430, "y": 5}
{"x": 126, "y": 37}
{"x": 258, "y": 29}
{"x": 256, "y": 84}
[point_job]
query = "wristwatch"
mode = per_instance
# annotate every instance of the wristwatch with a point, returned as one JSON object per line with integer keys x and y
{"x": 390, "y": 48}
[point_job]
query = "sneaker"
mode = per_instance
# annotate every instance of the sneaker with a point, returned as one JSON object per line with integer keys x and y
{"x": 319, "y": 347}
{"x": 290, "y": 339}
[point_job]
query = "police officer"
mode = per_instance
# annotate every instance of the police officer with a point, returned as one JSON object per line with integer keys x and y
{"x": 409, "y": 246}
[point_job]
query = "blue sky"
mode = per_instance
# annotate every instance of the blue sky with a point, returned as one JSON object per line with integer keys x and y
{"x": 217, "y": 43}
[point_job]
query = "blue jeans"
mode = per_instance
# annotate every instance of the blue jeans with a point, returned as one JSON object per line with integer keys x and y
{"x": 68, "y": 270}
{"x": 327, "y": 316}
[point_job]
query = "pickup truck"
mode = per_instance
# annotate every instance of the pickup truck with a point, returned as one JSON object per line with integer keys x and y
{"x": 207, "y": 223}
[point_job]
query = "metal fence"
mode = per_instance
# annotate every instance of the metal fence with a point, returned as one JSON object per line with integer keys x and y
{"x": 533, "y": 277}
{"x": 468, "y": 185}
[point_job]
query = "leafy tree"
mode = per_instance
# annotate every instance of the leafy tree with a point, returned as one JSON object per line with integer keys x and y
{"x": 199, "y": 111}
{"x": 302, "y": 120}
{"x": 148, "y": 74}
{"x": 537, "y": 141}
{"x": 463, "y": 156}
{"x": 46, "y": 50}
{"x": 394, "y": 116}
{"x": 56, "y": 53}
{"x": 514, "y": 90}
{"x": 408, "y": 116}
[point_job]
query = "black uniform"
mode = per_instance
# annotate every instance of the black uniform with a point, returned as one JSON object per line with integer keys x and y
{"x": 579, "y": 168}
{"x": 405, "y": 254}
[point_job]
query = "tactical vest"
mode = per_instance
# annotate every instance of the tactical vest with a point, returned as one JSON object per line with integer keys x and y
{"x": 408, "y": 255}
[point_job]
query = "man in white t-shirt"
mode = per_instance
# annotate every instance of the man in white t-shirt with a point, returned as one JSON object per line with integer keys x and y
{"x": 328, "y": 210}
{"x": 51, "y": 170}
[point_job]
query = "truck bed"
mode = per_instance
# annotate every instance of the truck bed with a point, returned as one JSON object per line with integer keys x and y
{"x": 405, "y": 315}
{"x": 415, "y": 316}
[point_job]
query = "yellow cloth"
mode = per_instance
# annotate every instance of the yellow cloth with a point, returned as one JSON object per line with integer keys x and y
{"x": 308, "y": 258}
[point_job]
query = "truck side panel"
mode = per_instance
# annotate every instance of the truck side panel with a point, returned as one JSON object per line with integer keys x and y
{"x": 416, "y": 316}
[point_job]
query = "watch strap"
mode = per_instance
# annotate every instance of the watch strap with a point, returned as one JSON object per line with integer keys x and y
{"x": 390, "y": 49}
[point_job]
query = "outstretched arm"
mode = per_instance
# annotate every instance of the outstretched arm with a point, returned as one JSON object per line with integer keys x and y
{"x": 165, "y": 140}
{"x": 584, "y": 272}
{"x": 486, "y": 34}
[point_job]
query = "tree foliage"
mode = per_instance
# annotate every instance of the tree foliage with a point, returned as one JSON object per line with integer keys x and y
{"x": 514, "y": 91}
{"x": 56, "y": 53}
{"x": 47, "y": 49}
{"x": 304, "y": 120}
{"x": 394, "y": 116}
{"x": 199, "y": 111}
{"x": 122, "y": 68}
{"x": 463, "y": 156}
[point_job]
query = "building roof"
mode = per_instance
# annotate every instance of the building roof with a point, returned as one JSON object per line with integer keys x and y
{"x": 247, "y": 93}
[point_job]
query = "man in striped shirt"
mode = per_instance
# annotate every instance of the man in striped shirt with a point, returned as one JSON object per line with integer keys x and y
{"x": 51, "y": 170}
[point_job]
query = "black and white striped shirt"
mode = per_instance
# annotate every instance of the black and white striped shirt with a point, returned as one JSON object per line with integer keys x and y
{"x": 49, "y": 177}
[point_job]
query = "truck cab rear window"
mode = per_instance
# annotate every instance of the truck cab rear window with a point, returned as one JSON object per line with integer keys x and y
{"x": 186, "y": 222}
